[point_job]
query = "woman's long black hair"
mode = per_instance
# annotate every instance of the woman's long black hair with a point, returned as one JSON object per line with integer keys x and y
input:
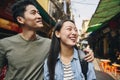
{"x": 55, "y": 49}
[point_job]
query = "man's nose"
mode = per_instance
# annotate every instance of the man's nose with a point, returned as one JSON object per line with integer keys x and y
{"x": 38, "y": 15}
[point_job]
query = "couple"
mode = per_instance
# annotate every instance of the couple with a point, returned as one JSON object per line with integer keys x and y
{"x": 24, "y": 54}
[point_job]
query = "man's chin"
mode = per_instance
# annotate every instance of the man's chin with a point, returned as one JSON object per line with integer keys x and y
{"x": 40, "y": 26}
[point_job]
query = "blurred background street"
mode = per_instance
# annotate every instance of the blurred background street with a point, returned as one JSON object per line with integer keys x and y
{"x": 98, "y": 23}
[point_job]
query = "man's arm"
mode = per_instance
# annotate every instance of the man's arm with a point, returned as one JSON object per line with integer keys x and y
{"x": 2, "y": 57}
{"x": 89, "y": 57}
{"x": 0, "y": 70}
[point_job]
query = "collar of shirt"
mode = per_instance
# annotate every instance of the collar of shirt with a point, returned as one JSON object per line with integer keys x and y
{"x": 75, "y": 55}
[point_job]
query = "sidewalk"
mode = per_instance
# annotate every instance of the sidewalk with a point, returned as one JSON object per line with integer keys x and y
{"x": 100, "y": 74}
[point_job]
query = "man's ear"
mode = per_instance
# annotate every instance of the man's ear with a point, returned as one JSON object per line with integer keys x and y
{"x": 20, "y": 20}
{"x": 57, "y": 34}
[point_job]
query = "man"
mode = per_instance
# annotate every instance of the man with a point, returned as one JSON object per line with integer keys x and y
{"x": 25, "y": 53}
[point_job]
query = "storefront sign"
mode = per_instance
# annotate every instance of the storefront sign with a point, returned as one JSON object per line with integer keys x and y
{"x": 5, "y": 24}
{"x": 106, "y": 30}
{"x": 5, "y": 8}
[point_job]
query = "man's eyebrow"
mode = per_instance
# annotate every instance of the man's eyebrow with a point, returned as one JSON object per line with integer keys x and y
{"x": 34, "y": 10}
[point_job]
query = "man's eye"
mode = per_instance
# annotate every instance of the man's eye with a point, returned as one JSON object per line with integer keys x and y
{"x": 38, "y": 12}
{"x": 33, "y": 13}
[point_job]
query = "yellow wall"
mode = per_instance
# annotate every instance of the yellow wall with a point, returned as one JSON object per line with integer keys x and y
{"x": 44, "y": 4}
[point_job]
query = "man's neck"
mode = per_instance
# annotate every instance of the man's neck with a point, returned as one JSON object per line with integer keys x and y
{"x": 28, "y": 35}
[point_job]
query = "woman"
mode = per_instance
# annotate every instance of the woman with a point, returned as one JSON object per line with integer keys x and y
{"x": 63, "y": 62}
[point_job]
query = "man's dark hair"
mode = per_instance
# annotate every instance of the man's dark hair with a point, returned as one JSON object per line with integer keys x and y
{"x": 19, "y": 8}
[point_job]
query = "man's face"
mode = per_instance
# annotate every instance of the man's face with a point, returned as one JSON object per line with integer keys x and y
{"x": 32, "y": 18}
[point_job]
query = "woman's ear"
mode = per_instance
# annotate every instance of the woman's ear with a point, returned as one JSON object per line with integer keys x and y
{"x": 20, "y": 20}
{"x": 57, "y": 33}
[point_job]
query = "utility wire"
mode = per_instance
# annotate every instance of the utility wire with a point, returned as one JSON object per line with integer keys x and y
{"x": 83, "y": 3}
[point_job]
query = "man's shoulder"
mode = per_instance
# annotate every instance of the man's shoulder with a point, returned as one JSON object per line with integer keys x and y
{"x": 8, "y": 39}
{"x": 44, "y": 39}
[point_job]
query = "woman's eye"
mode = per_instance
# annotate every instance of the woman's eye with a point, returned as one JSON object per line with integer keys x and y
{"x": 69, "y": 29}
{"x": 76, "y": 30}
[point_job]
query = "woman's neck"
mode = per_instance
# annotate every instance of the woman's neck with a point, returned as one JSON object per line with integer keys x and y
{"x": 67, "y": 52}
{"x": 66, "y": 55}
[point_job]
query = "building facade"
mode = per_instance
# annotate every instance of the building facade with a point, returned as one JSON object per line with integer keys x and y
{"x": 50, "y": 10}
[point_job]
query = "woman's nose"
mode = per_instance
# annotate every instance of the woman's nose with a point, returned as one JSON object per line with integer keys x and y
{"x": 74, "y": 32}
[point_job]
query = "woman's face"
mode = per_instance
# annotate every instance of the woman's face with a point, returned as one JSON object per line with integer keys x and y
{"x": 68, "y": 34}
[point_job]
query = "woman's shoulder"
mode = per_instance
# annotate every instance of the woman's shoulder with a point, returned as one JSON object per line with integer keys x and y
{"x": 81, "y": 54}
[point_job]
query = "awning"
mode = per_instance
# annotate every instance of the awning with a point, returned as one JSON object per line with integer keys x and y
{"x": 105, "y": 11}
{"x": 45, "y": 15}
{"x": 112, "y": 24}
{"x": 94, "y": 27}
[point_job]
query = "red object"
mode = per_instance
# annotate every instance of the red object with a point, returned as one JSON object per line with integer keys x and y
{"x": 113, "y": 24}
{"x": 6, "y": 24}
{"x": 3, "y": 72}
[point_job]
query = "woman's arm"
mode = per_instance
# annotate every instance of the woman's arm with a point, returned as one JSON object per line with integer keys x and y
{"x": 91, "y": 72}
